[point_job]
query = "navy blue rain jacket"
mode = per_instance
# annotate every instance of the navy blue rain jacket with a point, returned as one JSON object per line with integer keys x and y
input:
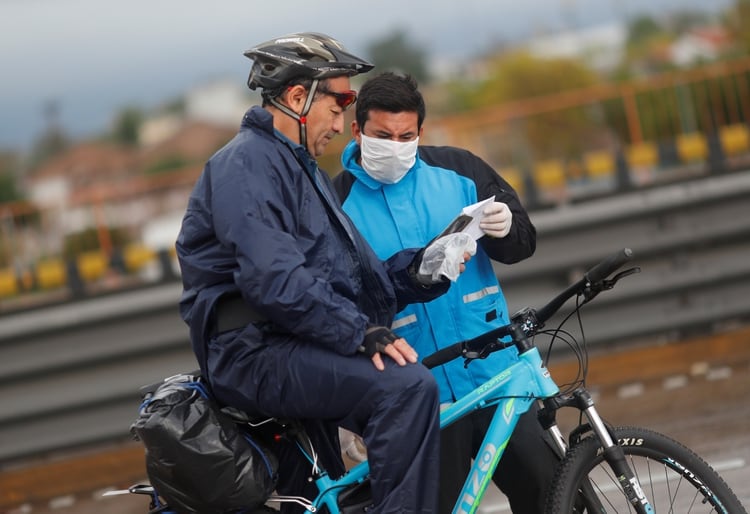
{"x": 263, "y": 220}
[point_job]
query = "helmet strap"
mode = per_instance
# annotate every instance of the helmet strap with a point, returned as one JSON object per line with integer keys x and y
{"x": 301, "y": 117}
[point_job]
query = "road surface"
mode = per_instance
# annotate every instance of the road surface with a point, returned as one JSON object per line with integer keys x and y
{"x": 700, "y": 398}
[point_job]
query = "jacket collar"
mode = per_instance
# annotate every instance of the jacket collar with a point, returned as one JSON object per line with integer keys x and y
{"x": 259, "y": 118}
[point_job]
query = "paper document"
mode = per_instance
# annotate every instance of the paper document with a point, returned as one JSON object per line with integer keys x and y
{"x": 468, "y": 220}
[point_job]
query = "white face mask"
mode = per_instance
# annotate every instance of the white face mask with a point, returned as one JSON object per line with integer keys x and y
{"x": 387, "y": 161}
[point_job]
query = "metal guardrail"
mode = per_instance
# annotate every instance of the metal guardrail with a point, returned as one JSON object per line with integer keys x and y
{"x": 69, "y": 373}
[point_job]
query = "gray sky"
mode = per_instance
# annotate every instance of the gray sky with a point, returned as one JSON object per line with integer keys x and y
{"x": 93, "y": 57}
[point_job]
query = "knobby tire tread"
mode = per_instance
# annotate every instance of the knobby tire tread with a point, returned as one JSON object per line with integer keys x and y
{"x": 585, "y": 456}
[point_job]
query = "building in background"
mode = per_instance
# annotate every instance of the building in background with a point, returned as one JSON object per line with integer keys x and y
{"x": 601, "y": 47}
{"x": 700, "y": 44}
{"x": 220, "y": 103}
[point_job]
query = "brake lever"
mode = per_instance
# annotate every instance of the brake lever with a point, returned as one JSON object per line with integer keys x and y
{"x": 485, "y": 352}
{"x": 610, "y": 283}
{"x": 605, "y": 285}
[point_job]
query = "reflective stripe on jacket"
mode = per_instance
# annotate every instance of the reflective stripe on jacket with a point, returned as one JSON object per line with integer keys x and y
{"x": 412, "y": 212}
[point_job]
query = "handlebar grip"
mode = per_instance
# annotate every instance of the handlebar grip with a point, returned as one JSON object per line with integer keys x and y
{"x": 608, "y": 265}
{"x": 447, "y": 354}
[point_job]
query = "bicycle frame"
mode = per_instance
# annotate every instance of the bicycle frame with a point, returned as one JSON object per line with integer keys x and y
{"x": 513, "y": 390}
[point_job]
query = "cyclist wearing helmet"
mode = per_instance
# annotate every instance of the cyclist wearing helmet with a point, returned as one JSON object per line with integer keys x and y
{"x": 286, "y": 302}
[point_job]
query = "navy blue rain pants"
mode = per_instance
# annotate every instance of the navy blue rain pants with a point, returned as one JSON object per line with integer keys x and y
{"x": 396, "y": 411}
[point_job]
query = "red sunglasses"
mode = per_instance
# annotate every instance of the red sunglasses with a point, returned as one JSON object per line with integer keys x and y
{"x": 344, "y": 99}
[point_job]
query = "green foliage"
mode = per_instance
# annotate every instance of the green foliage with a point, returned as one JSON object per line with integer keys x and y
{"x": 51, "y": 143}
{"x": 647, "y": 44}
{"x": 88, "y": 240}
{"x": 737, "y": 21}
{"x": 53, "y": 140}
{"x": 176, "y": 106}
{"x": 170, "y": 163}
{"x": 519, "y": 76}
{"x": 396, "y": 53}
{"x": 126, "y": 126}
{"x": 9, "y": 191}
{"x": 684, "y": 21}
{"x": 6, "y": 255}
{"x": 643, "y": 29}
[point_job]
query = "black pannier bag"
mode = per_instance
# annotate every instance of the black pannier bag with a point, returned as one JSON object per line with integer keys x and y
{"x": 197, "y": 458}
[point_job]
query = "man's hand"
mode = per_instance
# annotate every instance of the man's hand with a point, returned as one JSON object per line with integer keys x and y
{"x": 444, "y": 258}
{"x": 462, "y": 266}
{"x": 379, "y": 340}
{"x": 497, "y": 220}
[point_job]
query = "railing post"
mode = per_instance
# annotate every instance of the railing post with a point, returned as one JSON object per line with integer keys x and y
{"x": 631, "y": 114}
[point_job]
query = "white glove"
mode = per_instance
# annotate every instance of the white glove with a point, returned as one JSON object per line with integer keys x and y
{"x": 351, "y": 444}
{"x": 497, "y": 220}
{"x": 444, "y": 256}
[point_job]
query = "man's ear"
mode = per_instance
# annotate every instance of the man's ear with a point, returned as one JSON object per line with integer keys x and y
{"x": 356, "y": 132}
{"x": 295, "y": 97}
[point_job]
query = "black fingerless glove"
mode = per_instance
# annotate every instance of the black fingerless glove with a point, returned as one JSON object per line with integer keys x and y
{"x": 376, "y": 339}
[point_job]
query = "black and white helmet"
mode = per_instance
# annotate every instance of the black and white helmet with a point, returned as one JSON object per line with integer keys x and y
{"x": 300, "y": 55}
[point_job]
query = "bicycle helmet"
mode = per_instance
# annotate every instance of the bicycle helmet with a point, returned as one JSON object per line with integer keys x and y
{"x": 300, "y": 55}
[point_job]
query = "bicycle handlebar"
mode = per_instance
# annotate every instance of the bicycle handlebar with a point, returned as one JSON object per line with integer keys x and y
{"x": 449, "y": 353}
{"x": 608, "y": 265}
{"x": 594, "y": 275}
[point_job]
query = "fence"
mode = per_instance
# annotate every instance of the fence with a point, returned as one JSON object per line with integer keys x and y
{"x": 608, "y": 139}
{"x": 613, "y": 137}
{"x": 69, "y": 373}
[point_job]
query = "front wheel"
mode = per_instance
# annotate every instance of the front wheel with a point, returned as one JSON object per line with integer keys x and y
{"x": 673, "y": 478}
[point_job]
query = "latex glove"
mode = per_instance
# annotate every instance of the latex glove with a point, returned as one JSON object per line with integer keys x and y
{"x": 497, "y": 220}
{"x": 352, "y": 445}
{"x": 446, "y": 258}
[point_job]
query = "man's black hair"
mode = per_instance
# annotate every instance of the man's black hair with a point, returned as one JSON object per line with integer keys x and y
{"x": 267, "y": 94}
{"x": 389, "y": 92}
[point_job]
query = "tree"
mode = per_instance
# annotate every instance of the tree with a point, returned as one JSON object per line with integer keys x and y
{"x": 647, "y": 48}
{"x": 396, "y": 53}
{"x": 737, "y": 21}
{"x": 53, "y": 140}
{"x": 517, "y": 76}
{"x": 126, "y": 126}
{"x": 642, "y": 30}
{"x": 683, "y": 21}
{"x": 8, "y": 171}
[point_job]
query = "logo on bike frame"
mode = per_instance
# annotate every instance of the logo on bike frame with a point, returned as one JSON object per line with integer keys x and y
{"x": 480, "y": 478}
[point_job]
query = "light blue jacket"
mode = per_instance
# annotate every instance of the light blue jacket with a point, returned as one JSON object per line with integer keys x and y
{"x": 409, "y": 214}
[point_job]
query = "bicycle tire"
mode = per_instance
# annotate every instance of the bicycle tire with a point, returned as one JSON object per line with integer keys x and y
{"x": 672, "y": 476}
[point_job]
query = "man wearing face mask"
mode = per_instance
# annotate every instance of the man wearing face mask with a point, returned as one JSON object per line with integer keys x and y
{"x": 401, "y": 195}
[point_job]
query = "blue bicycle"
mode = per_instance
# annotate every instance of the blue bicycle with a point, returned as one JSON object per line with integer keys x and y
{"x": 602, "y": 469}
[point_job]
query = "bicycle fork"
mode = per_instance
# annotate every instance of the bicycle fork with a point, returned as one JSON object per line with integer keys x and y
{"x": 612, "y": 453}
